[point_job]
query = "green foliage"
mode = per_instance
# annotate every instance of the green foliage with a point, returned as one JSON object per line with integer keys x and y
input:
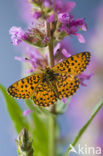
{"x": 14, "y": 111}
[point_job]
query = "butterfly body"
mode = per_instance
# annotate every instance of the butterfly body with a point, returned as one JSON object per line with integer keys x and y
{"x": 49, "y": 75}
{"x": 51, "y": 84}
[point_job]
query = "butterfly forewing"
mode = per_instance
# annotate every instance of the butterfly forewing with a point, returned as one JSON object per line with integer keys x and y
{"x": 25, "y": 87}
{"x": 44, "y": 95}
{"x": 75, "y": 64}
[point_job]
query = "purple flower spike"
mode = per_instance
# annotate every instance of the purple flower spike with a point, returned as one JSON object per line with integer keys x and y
{"x": 17, "y": 34}
{"x": 27, "y": 112}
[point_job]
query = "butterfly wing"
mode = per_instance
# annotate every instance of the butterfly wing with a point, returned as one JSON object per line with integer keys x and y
{"x": 75, "y": 64}
{"x": 67, "y": 85}
{"x": 44, "y": 95}
{"x": 25, "y": 87}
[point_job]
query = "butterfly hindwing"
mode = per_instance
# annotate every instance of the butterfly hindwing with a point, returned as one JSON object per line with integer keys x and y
{"x": 44, "y": 95}
{"x": 67, "y": 85}
{"x": 25, "y": 87}
{"x": 75, "y": 64}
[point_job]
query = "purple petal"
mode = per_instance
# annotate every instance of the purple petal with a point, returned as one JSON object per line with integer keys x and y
{"x": 17, "y": 34}
{"x": 46, "y": 4}
{"x": 29, "y": 71}
{"x": 84, "y": 77}
{"x": 82, "y": 83}
{"x": 65, "y": 53}
{"x": 58, "y": 46}
{"x": 16, "y": 31}
{"x": 64, "y": 100}
{"x": 20, "y": 59}
{"x": 64, "y": 28}
{"x": 27, "y": 112}
{"x": 33, "y": 52}
{"x": 63, "y": 17}
{"x": 51, "y": 18}
{"x": 64, "y": 6}
{"x": 80, "y": 37}
{"x": 37, "y": 14}
{"x": 84, "y": 27}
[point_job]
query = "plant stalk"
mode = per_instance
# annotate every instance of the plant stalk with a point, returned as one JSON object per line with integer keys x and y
{"x": 52, "y": 121}
{"x": 50, "y": 46}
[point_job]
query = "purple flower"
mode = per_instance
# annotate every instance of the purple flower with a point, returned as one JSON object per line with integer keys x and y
{"x": 71, "y": 26}
{"x": 63, "y": 17}
{"x": 77, "y": 22}
{"x": 17, "y": 35}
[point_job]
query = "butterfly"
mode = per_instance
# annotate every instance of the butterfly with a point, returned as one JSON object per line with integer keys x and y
{"x": 51, "y": 84}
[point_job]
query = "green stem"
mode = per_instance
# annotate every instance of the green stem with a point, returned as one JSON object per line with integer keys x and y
{"x": 50, "y": 46}
{"x": 51, "y": 136}
{"x": 83, "y": 129}
{"x": 52, "y": 121}
{"x": 51, "y": 56}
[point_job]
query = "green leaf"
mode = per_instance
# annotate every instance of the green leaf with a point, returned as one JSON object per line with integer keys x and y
{"x": 14, "y": 111}
{"x": 42, "y": 130}
{"x": 83, "y": 129}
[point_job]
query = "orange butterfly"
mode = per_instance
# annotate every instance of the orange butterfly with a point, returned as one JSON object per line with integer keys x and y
{"x": 51, "y": 84}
